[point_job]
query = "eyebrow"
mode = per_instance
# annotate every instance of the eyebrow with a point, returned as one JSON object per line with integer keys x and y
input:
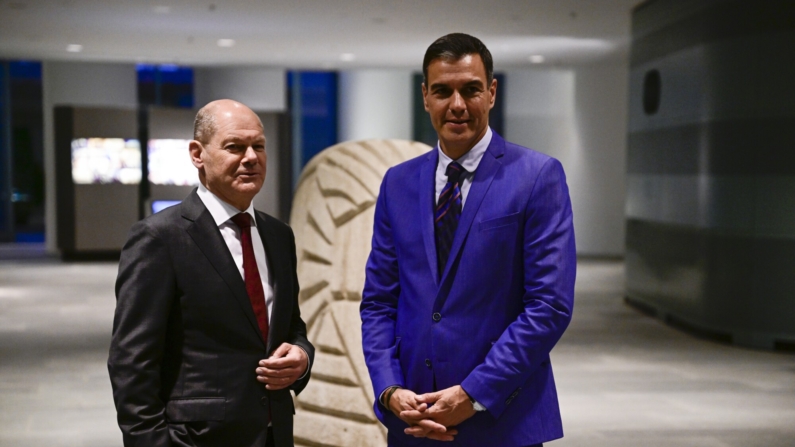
{"x": 232, "y": 138}
{"x": 477, "y": 82}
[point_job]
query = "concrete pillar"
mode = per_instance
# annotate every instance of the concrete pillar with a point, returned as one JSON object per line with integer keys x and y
{"x": 375, "y": 104}
{"x": 577, "y": 115}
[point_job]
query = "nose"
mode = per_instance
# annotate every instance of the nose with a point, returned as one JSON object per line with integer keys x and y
{"x": 250, "y": 156}
{"x": 457, "y": 104}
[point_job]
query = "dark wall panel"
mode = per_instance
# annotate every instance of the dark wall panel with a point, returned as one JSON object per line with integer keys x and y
{"x": 711, "y": 167}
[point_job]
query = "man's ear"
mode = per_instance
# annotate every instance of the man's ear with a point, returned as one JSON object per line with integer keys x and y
{"x": 195, "y": 148}
{"x": 424, "y": 97}
{"x": 493, "y": 91}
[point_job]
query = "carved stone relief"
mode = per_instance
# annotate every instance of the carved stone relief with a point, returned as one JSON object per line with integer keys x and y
{"x": 332, "y": 218}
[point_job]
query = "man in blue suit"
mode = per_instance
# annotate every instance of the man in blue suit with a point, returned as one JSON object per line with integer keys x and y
{"x": 470, "y": 282}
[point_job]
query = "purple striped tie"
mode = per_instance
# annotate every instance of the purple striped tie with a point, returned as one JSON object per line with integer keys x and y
{"x": 448, "y": 211}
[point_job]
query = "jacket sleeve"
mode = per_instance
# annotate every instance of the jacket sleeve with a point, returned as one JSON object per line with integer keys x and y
{"x": 298, "y": 326}
{"x": 549, "y": 271}
{"x": 145, "y": 290}
{"x": 378, "y": 309}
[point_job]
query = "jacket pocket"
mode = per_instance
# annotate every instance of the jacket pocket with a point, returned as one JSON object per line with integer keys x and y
{"x": 499, "y": 222}
{"x": 196, "y": 409}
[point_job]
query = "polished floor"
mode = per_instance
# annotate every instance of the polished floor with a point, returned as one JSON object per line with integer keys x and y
{"x": 624, "y": 379}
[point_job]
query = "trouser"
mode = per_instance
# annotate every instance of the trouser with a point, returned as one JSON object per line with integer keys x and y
{"x": 269, "y": 439}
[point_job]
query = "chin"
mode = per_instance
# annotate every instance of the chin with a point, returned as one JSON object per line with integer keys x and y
{"x": 249, "y": 187}
{"x": 459, "y": 137}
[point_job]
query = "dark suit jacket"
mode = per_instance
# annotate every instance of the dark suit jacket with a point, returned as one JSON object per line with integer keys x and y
{"x": 185, "y": 338}
{"x": 489, "y": 321}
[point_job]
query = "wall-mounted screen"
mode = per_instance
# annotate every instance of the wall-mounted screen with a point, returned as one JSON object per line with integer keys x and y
{"x": 169, "y": 163}
{"x": 106, "y": 160}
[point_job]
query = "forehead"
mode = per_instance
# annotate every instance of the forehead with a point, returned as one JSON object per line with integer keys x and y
{"x": 467, "y": 68}
{"x": 238, "y": 125}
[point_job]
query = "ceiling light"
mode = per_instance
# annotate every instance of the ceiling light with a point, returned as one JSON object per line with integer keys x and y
{"x": 161, "y": 9}
{"x": 536, "y": 58}
{"x": 74, "y": 48}
{"x": 226, "y": 43}
{"x": 347, "y": 57}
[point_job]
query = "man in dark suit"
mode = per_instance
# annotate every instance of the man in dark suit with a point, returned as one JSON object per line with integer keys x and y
{"x": 208, "y": 339}
{"x": 470, "y": 281}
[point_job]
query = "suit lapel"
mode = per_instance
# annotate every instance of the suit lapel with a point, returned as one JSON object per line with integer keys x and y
{"x": 277, "y": 272}
{"x": 205, "y": 234}
{"x": 427, "y": 204}
{"x": 484, "y": 175}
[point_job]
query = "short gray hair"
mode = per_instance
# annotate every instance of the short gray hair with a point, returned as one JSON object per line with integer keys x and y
{"x": 204, "y": 127}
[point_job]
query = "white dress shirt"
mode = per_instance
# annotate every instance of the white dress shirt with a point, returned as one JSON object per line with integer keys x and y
{"x": 469, "y": 161}
{"x": 222, "y": 212}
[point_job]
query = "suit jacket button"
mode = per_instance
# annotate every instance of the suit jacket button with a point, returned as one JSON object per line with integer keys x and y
{"x": 264, "y": 400}
{"x": 437, "y": 317}
{"x": 428, "y": 363}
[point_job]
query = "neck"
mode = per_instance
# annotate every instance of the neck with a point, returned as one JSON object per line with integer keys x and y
{"x": 456, "y": 150}
{"x": 241, "y": 203}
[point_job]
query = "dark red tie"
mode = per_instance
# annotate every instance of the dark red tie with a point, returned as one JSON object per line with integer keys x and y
{"x": 251, "y": 274}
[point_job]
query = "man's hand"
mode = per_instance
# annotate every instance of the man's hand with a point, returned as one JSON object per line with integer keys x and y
{"x": 286, "y": 364}
{"x": 448, "y": 407}
{"x": 404, "y": 404}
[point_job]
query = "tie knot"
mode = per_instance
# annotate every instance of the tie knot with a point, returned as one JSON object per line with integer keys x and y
{"x": 242, "y": 220}
{"x": 454, "y": 172}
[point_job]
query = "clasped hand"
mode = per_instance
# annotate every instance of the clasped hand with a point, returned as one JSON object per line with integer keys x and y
{"x": 280, "y": 370}
{"x": 432, "y": 415}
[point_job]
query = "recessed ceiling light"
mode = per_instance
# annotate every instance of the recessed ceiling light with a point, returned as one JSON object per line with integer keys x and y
{"x": 347, "y": 57}
{"x": 161, "y": 9}
{"x": 74, "y": 48}
{"x": 226, "y": 43}
{"x": 537, "y": 59}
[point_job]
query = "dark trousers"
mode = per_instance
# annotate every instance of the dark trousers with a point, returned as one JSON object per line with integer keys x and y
{"x": 269, "y": 439}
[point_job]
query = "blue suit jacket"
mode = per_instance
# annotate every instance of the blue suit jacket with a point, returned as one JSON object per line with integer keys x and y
{"x": 503, "y": 301}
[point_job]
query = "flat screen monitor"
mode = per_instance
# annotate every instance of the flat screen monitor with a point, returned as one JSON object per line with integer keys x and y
{"x": 106, "y": 160}
{"x": 160, "y": 205}
{"x": 169, "y": 163}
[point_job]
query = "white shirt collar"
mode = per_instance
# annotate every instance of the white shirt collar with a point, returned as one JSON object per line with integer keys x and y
{"x": 220, "y": 210}
{"x": 471, "y": 159}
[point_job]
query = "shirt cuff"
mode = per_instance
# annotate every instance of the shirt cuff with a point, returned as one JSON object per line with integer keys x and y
{"x": 475, "y": 404}
{"x": 308, "y": 364}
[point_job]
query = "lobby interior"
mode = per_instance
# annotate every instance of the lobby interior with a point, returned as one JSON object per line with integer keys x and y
{"x": 672, "y": 119}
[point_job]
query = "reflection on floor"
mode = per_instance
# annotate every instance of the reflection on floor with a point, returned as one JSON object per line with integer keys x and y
{"x": 625, "y": 380}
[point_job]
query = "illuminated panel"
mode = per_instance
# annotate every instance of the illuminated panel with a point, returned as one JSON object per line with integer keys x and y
{"x": 169, "y": 163}
{"x": 106, "y": 160}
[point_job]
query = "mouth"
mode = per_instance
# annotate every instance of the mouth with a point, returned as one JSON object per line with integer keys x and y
{"x": 457, "y": 122}
{"x": 457, "y": 126}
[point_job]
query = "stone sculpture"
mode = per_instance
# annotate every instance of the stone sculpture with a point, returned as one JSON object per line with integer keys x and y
{"x": 332, "y": 218}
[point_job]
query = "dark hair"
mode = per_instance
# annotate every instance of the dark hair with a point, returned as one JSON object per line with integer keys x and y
{"x": 453, "y": 47}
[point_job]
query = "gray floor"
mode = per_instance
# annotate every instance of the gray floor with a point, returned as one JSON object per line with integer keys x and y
{"x": 624, "y": 379}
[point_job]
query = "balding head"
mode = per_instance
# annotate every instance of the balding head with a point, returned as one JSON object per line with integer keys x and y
{"x": 206, "y": 123}
{"x": 229, "y": 151}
